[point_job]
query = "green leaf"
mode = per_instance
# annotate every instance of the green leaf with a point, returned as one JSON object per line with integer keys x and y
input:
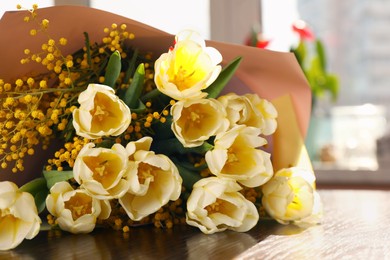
{"x": 105, "y": 143}
{"x": 253, "y": 36}
{"x": 150, "y": 95}
{"x": 190, "y": 166}
{"x": 40, "y": 199}
{"x": 38, "y": 189}
{"x": 173, "y": 145}
{"x": 134, "y": 91}
{"x": 333, "y": 86}
{"x": 131, "y": 68}
{"x": 164, "y": 130}
{"x": 34, "y": 186}
{"x": 300, "y": 53}
{"x": 321, "y": 54}
{"x": 140, "y": 108}
{"x": 88, "y": 49}
{"x": 69, "y": 131}
{"x": 113, "y": 69}
{"x": 52, "y": 177}
{"x": 189, "y": 177}
{"x": 226, "y": 74}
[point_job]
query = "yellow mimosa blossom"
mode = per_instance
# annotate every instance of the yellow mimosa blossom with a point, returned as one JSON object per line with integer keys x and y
{"x": 102, "y": 171}
{"x": 75, "y": 210}
{"x": 188, "y": 68}
{"x": 215, "y": 204}
{"x": 290, "y": 197}
{"x": 195, "y": 121}
{"x": 18, "y": 216}
{"x": 154, "y": 180}
{"x": 101, "y": 113}
{"x": 235, "y": 155}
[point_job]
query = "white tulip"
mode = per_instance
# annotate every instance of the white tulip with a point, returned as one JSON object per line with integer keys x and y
{"x": 19, "y": 218}
{"x": 235, "y": 155}
{"x": 215, "y": 204}
{"x": 75, "y": 210}
{"x": 195, "y": 121}
{"x": 153, "y": 179}
{"x": 102, "y": 171}
{"x": 101, "y": 113}
{"x": 250, "y": 110}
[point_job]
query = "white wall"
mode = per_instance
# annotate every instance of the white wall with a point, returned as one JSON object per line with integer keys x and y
{"x": 11, "y": 5}
{"x": 171, "y": 16}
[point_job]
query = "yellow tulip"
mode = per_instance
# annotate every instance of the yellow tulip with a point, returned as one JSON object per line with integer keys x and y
{"x": 188, "y": 68}
{"x": 289, "y": 196}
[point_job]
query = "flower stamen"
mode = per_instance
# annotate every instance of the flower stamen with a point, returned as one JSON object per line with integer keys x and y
{"x": 80, "y": 204}
{"x": 145, "y": 171}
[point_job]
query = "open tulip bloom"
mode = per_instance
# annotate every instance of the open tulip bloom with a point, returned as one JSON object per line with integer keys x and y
{"x": 148, "y": 132}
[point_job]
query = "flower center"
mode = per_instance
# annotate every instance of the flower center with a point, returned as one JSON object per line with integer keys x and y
{"x": 232, "y": 157}
{"x": 101, "y": 171}
{"x": 80, "y": 204}
{"x": 7, "y": 220}
{"x": 145, "y": 171}
{"x": 5, "y": 213}
{"x": 214, "y": 207}
{"x": 99, "y": 113}
{"x": 182, "y": 78}
{"x": 105, "y": 167}
{"x": 195, "y": 117}
{"x": 106, "y": 114}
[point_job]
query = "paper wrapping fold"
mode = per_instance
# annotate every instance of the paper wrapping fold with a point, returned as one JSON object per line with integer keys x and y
{"x": 267, "y": 73}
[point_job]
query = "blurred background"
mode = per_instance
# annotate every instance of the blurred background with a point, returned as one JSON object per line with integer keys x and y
{"x": 343, "y": 48}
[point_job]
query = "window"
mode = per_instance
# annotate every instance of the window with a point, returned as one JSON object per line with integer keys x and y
{"x": 11, "y": 5}
{"x": 356, "y": 39}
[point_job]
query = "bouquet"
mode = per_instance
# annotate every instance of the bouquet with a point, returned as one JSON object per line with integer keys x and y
{"x": 137, "y": 127}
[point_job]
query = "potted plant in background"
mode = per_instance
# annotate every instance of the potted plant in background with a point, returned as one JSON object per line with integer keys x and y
{"x": 311, "y": 56}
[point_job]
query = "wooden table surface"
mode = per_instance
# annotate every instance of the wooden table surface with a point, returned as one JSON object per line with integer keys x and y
{"x": 356, "y": 225}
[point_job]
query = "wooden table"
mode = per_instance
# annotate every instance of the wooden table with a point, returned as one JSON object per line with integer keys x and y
{"x": 356, "y": 225}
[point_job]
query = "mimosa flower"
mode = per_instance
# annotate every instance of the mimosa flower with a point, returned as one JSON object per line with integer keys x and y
{"x": 250, "y": 110}
{"x": 215, "y": 204}
{"x": 101, "y": 171}
{"x": 289, "y": 195}
{"x": 75, "y": 210}
{"x": 153, "y": 178}
{"x": 195, "y": 121}
{"x": 235, "y": 156}
{"x": 18, "y": 216}
{"x": 101, "y": 113}
{"x": 188, "y": 68}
